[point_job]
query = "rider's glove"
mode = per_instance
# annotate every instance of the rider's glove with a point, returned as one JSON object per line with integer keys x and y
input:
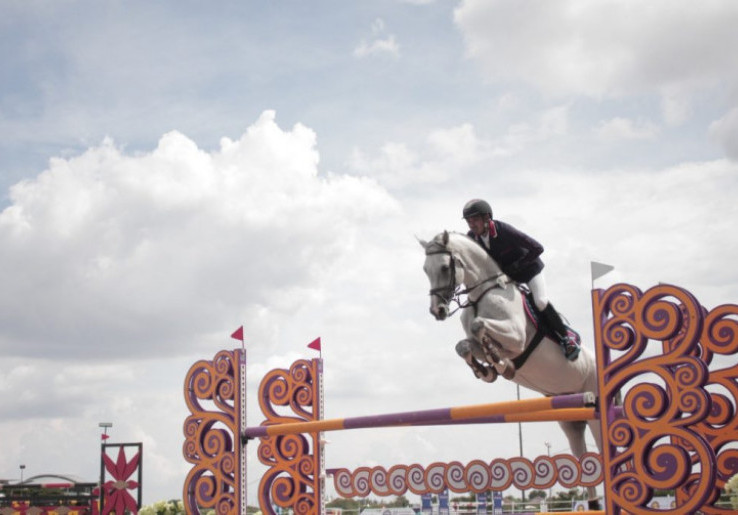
{"x": 514, "y": 267}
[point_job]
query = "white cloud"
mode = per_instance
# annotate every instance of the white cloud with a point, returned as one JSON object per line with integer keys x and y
{"x": 670, "y": 225}
{"x": 108, "y": 254}
{"x": 460, "y": 143}
{"x": 551, "y": 123}
{"x": 387, "y": 46}
{"x": 378, "y": 26}
{"x": 446, "y": 152}
{"x": 725, "y": 132}
{"x": 450, "y": 152}
{"x": 676, "y": 105}
{"x": 378, "y": 45}
{"x": 605, "y": 49}
{"x": 626, "y": 129}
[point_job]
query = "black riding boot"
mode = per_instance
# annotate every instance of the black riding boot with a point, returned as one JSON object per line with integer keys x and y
{"x": 553, "y": 320}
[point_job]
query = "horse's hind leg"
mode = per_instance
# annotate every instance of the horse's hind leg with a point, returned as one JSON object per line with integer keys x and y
{"x": 596, "y": 429}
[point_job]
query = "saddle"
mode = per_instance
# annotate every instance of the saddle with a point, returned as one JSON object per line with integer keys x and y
{"x": 542, "y": 329}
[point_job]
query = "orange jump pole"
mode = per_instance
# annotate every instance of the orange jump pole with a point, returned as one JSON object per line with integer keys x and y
{"x": 542, "y": 408}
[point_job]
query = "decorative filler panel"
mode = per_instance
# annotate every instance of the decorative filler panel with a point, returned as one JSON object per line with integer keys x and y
{"x": 120, "y": 478}
{"x": 680, "y": 403}
{"x": 293, "y": 479}
{"x": 211, "y": 391}
{"x": 477, "y": 476}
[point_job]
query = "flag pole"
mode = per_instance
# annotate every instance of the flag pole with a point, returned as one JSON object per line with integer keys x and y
{"x": 598, "y": 270}
{"x": 316, "y": 345}
{"x": 242, "y": 497}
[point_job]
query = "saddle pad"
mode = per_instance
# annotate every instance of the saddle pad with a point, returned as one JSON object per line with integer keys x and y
{"x": 535, "y": 317}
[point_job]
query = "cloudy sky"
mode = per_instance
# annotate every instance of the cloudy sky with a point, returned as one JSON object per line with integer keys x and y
{"x": 172, "y": 170}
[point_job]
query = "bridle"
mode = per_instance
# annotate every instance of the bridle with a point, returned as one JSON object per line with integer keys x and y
{"x": 452, "y": 292}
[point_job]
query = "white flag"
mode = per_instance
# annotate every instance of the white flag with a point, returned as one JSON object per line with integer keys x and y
{"x": 600, "y": 269}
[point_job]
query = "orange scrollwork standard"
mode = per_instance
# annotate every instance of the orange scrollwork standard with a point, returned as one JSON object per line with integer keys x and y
{"x": 211, "y": 392}
{"x": 654, "y": 345}
{"x": 292, "y": 480}
{"x": 718, "y": 346}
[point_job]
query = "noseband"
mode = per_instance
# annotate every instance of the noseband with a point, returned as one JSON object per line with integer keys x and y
{"x": 452, "y": 292}
{"x": 448, "y": 293}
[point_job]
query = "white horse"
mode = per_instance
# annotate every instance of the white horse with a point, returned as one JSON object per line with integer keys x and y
{"x": 498, "y": 330}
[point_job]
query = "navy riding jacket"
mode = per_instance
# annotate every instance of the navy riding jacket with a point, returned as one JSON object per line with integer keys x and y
{"x": 515, "y": 252}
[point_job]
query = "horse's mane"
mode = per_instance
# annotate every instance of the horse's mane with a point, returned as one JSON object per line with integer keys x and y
{"x": 458, "y": 239}
{"x": 438, "y": 240}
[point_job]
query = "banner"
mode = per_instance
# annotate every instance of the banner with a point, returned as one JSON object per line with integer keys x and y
{"x": 425, "y": 504}
{"x": 497, "y": 503}
{"x": 443, "y": 503}
{"x": 482, "y": 503}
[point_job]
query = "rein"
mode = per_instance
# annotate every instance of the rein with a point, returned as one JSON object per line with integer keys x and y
{"x": 451, "y": 292}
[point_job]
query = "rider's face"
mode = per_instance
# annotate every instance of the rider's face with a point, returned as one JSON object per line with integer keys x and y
{"x": 478, "y": 224}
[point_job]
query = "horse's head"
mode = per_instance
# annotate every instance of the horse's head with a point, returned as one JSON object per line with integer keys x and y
{"x": 444, "y": 272}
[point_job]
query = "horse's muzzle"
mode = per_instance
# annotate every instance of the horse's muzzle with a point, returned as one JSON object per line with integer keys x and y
{"x": 440, "y": 312}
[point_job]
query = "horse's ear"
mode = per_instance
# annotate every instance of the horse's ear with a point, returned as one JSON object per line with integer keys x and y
{"x": 445, "y": 238}
{"x": 423, "y": 243}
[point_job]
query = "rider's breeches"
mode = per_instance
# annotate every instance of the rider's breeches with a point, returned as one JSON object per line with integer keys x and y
{"x": 537, "y": 287}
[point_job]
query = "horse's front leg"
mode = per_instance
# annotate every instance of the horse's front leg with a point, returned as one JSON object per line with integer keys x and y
{"x": 472, "y": 353}
{"x": 506, "y": 333}
{"x": 495, "y": 336}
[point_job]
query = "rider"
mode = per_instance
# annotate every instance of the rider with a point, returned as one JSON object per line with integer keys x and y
{"x": 518, "y": 257}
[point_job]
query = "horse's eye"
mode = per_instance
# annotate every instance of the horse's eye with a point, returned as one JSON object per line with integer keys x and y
{"x": 445, "y": 268}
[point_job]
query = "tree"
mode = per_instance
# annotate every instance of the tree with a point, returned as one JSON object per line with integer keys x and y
{"x": 567, "y": 496}
{"x": 344, "y": 504}
{"x": 399, "y": 502}
{"x": 537, "y": 494}
{"x": 464, "y": 498}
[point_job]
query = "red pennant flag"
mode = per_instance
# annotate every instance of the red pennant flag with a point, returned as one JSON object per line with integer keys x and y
{"x": 104, "y": 436}
{"x": 315, "y": 344}
{"x": 238, "y": 334}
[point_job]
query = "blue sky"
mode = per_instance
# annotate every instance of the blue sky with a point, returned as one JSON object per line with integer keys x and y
{"x": 172, "y": 170}
{"x": 84, "y": 71}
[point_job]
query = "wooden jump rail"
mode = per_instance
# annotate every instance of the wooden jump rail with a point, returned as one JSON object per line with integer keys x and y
{"x": 561, "y": 407}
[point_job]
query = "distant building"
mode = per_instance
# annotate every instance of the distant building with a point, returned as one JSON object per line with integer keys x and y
{"x": 45, "y": 493}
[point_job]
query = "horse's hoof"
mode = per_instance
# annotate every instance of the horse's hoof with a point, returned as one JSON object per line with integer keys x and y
{"x": 485, "y": 373}
{"x": 463, "y": 348}
{"x": 490, "y": 375}
{"x": 490, "y": 352}
{"x": 508, "y": 372}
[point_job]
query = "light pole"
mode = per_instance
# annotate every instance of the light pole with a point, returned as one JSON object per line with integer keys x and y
{"x": 520, "y": 441}
{"x": 548, "y": 448}
{"x": 105, "y": 426}
{"x": 104, "y": 436}
{"x": 22, "y": 468}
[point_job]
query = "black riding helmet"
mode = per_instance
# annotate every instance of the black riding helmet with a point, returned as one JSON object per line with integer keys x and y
{"x": 477, "y": 207}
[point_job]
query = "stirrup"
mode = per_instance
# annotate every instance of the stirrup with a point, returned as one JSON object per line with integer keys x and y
{"x": 572, "y": 353}
{"x": 571, "y": 349}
